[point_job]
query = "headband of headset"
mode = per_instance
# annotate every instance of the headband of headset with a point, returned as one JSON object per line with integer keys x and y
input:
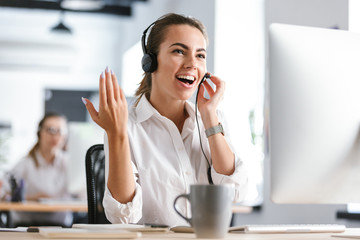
{"x": 149, "y": 60}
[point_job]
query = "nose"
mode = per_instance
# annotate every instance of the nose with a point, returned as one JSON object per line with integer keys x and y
{"x": 191, "y": 63}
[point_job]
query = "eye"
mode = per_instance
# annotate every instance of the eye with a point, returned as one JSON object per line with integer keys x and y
{"x": 179, "y": 51}
{"x": 202, "y": 56}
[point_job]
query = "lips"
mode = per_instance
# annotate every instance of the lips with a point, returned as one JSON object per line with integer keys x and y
{"x": 186, "y": 79}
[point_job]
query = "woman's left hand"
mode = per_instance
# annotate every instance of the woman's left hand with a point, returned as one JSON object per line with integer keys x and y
{"x": 207, "y": 107}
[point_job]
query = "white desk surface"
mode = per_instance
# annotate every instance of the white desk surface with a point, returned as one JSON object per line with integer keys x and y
{"x": 168, "y": 236}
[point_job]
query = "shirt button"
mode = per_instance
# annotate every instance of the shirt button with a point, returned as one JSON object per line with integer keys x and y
{"x": 188, "y": 173}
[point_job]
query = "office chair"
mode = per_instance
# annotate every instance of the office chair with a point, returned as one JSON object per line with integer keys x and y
{"x": 95, "y": 183}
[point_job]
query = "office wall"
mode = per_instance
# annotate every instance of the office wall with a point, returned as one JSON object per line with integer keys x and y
{"x": 32, "y": 58}
{"x": 318, "y": 13}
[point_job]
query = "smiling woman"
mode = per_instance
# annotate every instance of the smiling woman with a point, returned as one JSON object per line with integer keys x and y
{"x": 34, "y": 59}
{"x": 154, "y": 151}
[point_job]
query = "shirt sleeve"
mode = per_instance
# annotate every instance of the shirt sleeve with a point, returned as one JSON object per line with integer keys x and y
{"x": 115, "y": 211}
{"x": 239, "y": 179}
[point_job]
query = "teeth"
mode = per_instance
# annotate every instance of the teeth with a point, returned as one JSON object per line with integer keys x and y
{"x": 191, "y": 78}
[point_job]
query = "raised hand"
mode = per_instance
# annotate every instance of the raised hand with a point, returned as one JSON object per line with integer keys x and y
{"x": 113, "y": 111}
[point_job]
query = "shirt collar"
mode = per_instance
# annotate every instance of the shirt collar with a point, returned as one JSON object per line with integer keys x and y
{"x": 42, "y": 161}
{"x": 144, "y": 110}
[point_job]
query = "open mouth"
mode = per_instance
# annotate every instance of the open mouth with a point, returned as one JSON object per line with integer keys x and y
{"x": 186, "y": 79}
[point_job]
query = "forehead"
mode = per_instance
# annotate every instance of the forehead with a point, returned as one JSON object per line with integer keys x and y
{"x": 55, "y": 121}
{"x": 185, "y": 34}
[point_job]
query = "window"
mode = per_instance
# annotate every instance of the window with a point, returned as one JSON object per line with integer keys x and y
{"x": 240, "y": 62}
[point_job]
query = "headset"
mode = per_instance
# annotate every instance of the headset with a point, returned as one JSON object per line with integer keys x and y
{"x": 149, "y": 65}
{"x": 149, "y": 60}
{"x": 207, "y": 75}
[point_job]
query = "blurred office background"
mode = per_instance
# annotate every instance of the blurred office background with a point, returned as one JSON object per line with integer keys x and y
{"x": 44, "y": 68}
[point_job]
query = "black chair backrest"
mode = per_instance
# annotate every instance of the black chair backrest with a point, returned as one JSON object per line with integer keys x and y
{"x": 95, "y": 183}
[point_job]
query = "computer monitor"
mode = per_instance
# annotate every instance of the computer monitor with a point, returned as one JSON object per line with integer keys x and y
{"x": 314, "y": 109}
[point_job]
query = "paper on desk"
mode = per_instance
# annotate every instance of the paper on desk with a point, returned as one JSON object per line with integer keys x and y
{"x": 86, "y": 233}
{"x": 350, "y": 233}
{"x": 127, "y": 227}
{"x": 347, "y": 235}
{"x": 18, "y": 229}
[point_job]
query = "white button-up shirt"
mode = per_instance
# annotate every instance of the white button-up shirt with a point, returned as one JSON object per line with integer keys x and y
{"x": 47, "y": 178}
{"x": 165, "y": 163}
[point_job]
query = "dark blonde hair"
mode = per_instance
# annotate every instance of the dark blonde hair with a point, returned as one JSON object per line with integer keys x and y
{"x": 156, "y": 37}
{"x": 40, "y": 126}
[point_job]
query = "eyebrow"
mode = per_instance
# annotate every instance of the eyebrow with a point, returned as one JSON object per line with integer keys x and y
{"x": 186, "y": 47}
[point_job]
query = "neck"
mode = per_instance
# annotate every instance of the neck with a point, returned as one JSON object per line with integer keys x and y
{"x": 173, "y": 110}
{"x": 47, "y": 154}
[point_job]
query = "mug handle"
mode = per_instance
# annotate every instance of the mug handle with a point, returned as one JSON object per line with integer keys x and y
{"x": 177, "y": 211}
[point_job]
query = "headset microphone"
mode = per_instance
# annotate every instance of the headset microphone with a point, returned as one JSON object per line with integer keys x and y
{"x": 207, "y": 75}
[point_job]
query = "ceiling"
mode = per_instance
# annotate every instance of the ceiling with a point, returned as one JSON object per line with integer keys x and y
{"x": 115, "y": 7}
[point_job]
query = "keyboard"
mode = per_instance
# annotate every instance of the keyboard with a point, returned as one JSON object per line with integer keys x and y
{"x": 290, "y": 228}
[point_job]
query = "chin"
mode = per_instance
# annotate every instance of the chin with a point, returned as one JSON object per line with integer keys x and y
{"x": 185, "y": 97}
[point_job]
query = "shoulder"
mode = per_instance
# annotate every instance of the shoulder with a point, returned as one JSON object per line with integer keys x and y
{"x": 23, "y": 165}
{"x": 24, "y": 160}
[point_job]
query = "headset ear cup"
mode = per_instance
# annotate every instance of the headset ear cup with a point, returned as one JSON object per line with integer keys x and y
{"x": 149, "y": 62}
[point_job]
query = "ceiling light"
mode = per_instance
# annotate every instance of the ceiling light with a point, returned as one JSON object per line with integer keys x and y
{"x": 82, "y": 5}
{"x": 61, "y": 27}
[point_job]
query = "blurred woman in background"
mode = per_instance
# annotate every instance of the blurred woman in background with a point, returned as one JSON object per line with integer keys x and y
{"x": 43, "y": 172}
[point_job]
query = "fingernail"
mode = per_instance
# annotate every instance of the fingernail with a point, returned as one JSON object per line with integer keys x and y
{"x": 83, "y": 100}
{"x": 107, "y": 69}
{"x": 112, "y": 73}
{"x": 102, "y": 75}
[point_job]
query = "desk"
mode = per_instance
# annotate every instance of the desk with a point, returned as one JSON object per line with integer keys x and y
{"x": 168, "y": 236}
{"x": 241, "y": 209}
{"x": 72, "y": 206}
{"x": 43, "y": 207}
{"x": 30, "y": 206}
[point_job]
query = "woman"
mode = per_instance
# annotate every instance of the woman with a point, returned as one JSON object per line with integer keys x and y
{"x": 154, "y": 153}
{"x": 43, "y": 171}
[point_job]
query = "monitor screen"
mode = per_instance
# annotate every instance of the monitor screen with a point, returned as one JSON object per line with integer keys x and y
{"x": 314, "y": 109}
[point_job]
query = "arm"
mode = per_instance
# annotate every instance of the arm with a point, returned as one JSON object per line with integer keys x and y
{"x": 113, "y": 117}
{"x": 130, "y": 212}
{"x": 223, "y": 158}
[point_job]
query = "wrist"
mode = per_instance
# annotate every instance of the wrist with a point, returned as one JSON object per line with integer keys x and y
{"x": 215, "y": 130}
{"x": 209, "y": 119}
{"x": 210, "y": 122}
{"x": 116, "y": 136}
